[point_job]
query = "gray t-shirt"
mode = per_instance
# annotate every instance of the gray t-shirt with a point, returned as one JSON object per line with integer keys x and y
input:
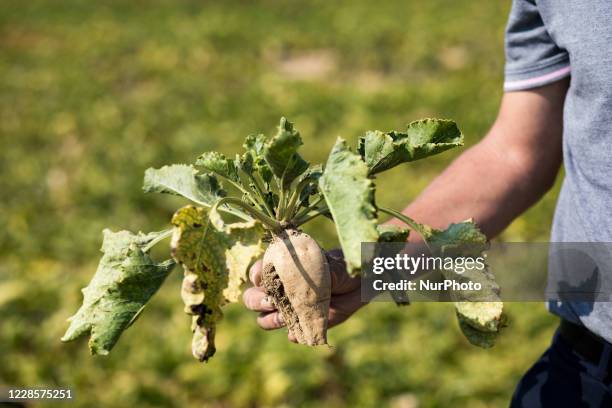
{"x": 547, "y": 40}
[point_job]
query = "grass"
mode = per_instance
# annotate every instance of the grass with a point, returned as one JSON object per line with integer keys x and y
{"x": 93, "y": 94}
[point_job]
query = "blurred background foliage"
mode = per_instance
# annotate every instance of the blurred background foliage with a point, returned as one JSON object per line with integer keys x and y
{"x": 93, "y": 93}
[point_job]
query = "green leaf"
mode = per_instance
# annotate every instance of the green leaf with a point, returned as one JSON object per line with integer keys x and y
{"x": 245, "y": 163}
{"x": 349, "y": 194}
{"x": 482, "y": 316}
{"x": 255, "y": 145}
{"x": 215, "y": 261}
{"x": 477, "y": 337}
{"x": 280, "y": 152}
{"x": 480, "y": 313}
{"x": 423, "y": 138}
{"x": 184, "y": 180}
{"x": 254, "y": 168}
{"x": 461, "y": 238}
{"x": 219, "y": 164}
{"x": 311, "y": 177}
{"x": 124, "y": 282}
{"x": 392, "y": 233}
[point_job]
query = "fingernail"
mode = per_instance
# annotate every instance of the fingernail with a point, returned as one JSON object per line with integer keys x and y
{"x": 280, "y": 320}
{"x": 266, "y": 302}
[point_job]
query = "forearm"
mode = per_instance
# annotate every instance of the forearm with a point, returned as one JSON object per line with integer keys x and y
{"x": 507, "y": 172}
{"x": 482, "y": 184}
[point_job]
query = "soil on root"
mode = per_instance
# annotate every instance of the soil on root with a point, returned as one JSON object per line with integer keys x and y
{"x": 275, "y": 290}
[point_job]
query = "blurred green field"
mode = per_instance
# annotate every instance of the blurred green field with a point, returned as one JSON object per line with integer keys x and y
{"x": 93, "y": 94}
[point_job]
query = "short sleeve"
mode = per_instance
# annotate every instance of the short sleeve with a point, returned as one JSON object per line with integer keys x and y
{"x": 532, "y": 57}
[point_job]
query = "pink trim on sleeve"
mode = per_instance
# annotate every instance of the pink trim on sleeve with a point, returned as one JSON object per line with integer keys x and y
{"x": 540, "y": 80}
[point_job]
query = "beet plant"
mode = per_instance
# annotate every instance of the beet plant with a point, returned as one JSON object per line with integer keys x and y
{"x": 263, "y": 197}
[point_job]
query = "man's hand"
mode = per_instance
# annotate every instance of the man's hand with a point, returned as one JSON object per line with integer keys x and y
{"x": 345, "y": 295}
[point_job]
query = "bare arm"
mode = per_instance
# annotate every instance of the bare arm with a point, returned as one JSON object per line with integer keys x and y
{"x": 505, "y": 173}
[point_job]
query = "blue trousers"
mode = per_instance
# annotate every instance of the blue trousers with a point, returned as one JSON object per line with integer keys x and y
{"x": 562, "y": 378}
